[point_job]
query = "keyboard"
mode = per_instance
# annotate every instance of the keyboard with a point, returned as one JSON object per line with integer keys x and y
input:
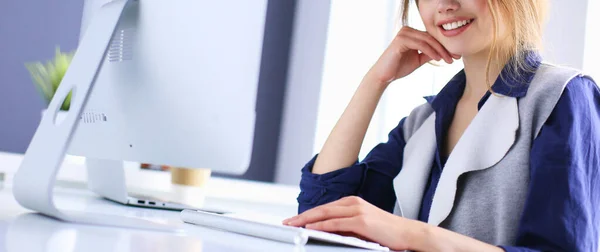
{"x": 270, "y": 230}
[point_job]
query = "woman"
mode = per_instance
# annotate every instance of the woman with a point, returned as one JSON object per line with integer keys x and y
{"x": 511, "y": 164}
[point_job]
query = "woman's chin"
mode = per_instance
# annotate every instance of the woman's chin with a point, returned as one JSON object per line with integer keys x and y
{"x": 457, "y": 51}
{"x": 467, "y": 51}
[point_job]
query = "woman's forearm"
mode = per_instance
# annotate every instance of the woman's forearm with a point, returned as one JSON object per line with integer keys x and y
{"x": 431, "y": 238}
{"x": 343, "y": 144}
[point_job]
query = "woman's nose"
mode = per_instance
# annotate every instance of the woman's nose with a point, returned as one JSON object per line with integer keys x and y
{"x": 447, "y": 6}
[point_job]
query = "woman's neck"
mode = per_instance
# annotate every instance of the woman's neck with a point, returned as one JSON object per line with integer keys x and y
{"x": 475, "y": 69}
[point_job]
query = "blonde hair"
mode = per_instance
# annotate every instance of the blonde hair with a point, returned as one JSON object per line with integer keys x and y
{"x": 523, "y": 19}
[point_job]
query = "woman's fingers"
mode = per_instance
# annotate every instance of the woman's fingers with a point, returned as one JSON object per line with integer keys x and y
{"x": 406, "y": 33}
{"x": 421, "y": 45}
{"x": 322, "y": 213}
{"x": 354, "y": 224}
{"x": 346, "y": 201}
{"x": 436, "y": 45}
{"x": 423, "y": 58}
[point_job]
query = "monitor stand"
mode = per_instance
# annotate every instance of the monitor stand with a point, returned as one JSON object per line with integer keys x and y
{"x": 34, "y": 181}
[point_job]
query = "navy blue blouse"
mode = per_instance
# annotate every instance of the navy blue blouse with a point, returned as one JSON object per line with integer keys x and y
{"x": 562, "y": 209}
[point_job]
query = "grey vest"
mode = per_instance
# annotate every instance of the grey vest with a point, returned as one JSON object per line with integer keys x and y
{"x": 483, "y": 186}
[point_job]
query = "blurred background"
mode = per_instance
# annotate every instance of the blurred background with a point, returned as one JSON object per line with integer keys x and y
{"x": 315, "y": 54}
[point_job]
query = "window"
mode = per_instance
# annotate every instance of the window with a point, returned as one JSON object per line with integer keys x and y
{"x": 358, "y": 32}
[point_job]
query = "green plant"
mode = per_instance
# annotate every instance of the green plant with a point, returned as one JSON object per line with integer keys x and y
{"x": 47, "y": 76}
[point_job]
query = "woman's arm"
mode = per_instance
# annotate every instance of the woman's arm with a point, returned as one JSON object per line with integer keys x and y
{"x": 562, "y": 208}
{"x": 370, "y": 179}
{"x": 434, "y": 238}
{"x": 343, "y": 144}
{"x": 401, "y": 58}
{"x": 355, "y": 215}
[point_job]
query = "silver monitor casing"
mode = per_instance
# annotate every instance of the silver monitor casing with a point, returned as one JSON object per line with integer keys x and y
{"x": 178, "y": 87}
{"x": 152, "y": 81}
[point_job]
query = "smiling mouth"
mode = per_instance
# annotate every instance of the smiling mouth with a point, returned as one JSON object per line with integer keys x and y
{"x": 456, "y": 24}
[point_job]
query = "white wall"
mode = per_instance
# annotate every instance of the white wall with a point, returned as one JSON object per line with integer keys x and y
{"x": 591, "y": 57}
{"x": 564, "y": 35}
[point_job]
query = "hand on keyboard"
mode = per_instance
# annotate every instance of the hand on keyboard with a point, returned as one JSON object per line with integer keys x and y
{"x": 254, "y": 225}
{"x": 356, "y": 216}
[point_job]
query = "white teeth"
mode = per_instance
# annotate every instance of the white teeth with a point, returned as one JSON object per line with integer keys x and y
{"x": 454, "y": 25}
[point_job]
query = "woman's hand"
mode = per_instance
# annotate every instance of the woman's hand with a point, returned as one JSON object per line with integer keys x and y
{"x": 353, "y": 215}
{"x": 402, "y": 56}
{"x": 356, "y": 217}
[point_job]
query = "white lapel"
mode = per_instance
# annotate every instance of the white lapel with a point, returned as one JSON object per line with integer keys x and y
{"x": 483, "y": 144}
{"x": 477, "y": 149}
{"x": 410, "y": 183}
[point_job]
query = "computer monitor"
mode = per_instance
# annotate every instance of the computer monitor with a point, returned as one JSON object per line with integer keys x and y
{"x": 167, "y": 82}
{"x": 178, "y": 85}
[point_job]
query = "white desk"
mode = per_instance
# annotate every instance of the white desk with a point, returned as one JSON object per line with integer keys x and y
{"x": 22, "y": 230}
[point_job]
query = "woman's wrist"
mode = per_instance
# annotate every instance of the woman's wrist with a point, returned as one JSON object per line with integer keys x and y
{"x": 423, "y": 237}
{"x": 374, "y": 83}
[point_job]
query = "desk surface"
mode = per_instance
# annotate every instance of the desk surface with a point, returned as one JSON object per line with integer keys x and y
{"x": 22, "y": 230}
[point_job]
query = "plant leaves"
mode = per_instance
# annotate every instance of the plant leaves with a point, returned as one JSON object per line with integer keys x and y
{"x": 67, "y": 103}
{"x": 48, "y": 76}
{"x": 39, "y": 76}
